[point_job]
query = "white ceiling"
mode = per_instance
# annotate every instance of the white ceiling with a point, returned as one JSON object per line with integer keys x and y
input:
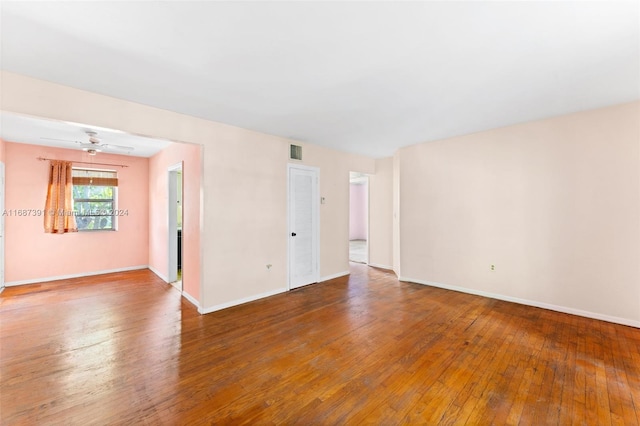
{"x": 357, "y": 76}
{"x": 35, "y": 131}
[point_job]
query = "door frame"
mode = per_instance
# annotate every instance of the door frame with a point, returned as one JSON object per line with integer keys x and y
{"x": 315, "y": 214}
{"x": 2, "y": 225}
{"x": 172, "y": 221}
{"x": 367, "y": 182}
{"x": 368, "y": 207}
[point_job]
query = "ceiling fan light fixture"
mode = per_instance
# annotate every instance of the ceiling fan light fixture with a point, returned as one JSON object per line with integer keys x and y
{"x": 91, "y": 151}
{"x": 93, "y": 137}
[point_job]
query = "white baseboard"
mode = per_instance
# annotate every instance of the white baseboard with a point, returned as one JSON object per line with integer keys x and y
{"x": 377, "y": 265}
{"x": 66, "y": 277}
{"x": 155, "y": 271}
{"x": 186, "y": 295}
{"x": 240, "y": 301}
{"x": 551, "y": 307}
{"x": 331, "y": 277}
{"x": 191, "y": 299}
{"x": 257, "y": 296}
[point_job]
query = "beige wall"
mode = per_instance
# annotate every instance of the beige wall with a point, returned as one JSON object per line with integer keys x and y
{"x": 245, "y": 216}
{"x": 381, "y": 215}
{"x": 246, "y": 205}
{"x": 396, "y": 213}
{"x": 190, "y": 157}
{"x": 243, "y": 224}
{"x": 334, "y": 213}
{"x": 553, "y": 204}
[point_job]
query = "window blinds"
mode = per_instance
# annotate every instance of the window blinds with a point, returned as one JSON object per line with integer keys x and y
{"x": 95, "y": 177}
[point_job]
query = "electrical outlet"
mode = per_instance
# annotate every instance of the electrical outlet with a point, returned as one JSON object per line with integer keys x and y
{"x": 493, "y": 267}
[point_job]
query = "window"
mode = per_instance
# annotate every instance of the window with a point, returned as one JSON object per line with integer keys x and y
{"x": 94, "y": 199}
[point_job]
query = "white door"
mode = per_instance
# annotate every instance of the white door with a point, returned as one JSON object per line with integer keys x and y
{"x": 1, "y": 226}
{"x": 303, "y": 225}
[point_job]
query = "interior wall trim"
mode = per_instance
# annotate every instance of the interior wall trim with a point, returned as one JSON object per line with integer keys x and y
{"x": 379, "y": 266}
{"x": 80, "y": 275}
{"x": 536, "y": 304}
{"x": 191, "y": 299}
{"x": 236, "y": 302}
{"x": 333, "y": 276}
{"x": 161, "y": 276}
{"x": 221, "y": 306}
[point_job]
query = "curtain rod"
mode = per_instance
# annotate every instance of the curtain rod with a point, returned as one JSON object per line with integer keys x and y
{"x": 86, "y": 162}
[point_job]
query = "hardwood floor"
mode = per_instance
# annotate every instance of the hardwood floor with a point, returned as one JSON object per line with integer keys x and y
{"x": 126, "y": 349}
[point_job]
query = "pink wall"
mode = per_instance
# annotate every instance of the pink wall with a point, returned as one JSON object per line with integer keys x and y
{"x": 358, "y": 212}
{"x": 1, "y": 151}
{"x": 190, "y": 156}
{"x": 30, "y": 254}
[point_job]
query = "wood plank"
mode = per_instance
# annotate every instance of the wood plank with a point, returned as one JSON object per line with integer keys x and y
{"x": 125, "y": 348}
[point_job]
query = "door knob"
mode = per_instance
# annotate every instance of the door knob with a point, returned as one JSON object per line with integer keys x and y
{"x": 293, "y": 234}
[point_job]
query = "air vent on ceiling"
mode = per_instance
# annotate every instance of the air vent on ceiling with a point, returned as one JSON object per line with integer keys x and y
{"x": 296, "y": 152}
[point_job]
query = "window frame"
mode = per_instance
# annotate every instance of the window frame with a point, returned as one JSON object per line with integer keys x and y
{"x": 112, "y": 200}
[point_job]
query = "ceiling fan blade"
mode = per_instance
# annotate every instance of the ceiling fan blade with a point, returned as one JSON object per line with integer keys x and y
{"x": 89, "y": 145}
{"x": 118, "y": 147}
{"x": 61, "y": 140}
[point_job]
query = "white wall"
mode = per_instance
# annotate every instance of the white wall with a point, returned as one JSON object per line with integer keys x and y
{"x": 243, "y": 224}
{"x": 334, "y": 213}
{"x": 381, "y": 215}
{"x": 358, "y": 211}
{"x": 2, "y": 220}
{"x": 246, "y": 205}
{"x": 553, "y": 204}
{"x": 395, "y": 182}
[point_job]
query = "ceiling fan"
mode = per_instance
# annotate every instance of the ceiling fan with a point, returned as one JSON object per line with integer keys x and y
{"x": 95, "y": 145}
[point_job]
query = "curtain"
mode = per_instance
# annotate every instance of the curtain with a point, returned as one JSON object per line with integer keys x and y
{"x": 58, "y": 217}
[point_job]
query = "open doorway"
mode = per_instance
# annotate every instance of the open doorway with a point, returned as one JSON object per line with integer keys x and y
{"x": 358, "y": 217}
{"x": 1, "y": 226}
{"x": 175, "y": 225}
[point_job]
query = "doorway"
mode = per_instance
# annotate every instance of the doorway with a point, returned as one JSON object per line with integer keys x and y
{"x": 358, "y": 217}
{"x": 303, "y": 229}
{"x": 1, "y": 226}
{"x": 175, "y": 238}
